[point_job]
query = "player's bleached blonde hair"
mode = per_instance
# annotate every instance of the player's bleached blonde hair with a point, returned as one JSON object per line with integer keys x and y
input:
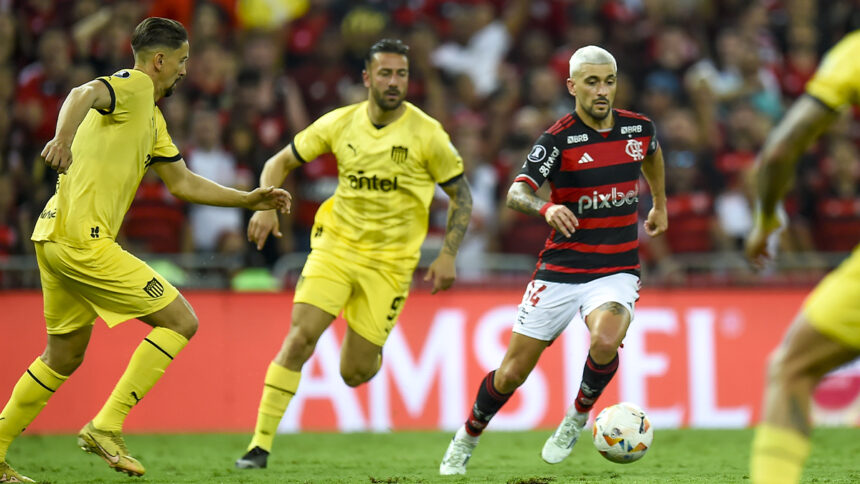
{"x": 591, "y": 54}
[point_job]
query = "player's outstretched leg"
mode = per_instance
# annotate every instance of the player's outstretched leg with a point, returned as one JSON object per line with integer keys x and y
{"x": 110, "y": 446}
{"x": 458, "y": 453}
{"x": 559, "y": 445}
{"x": 8, "y": 474}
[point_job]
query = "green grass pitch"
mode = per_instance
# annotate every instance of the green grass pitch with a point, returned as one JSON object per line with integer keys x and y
{"x": 677, "y": 456}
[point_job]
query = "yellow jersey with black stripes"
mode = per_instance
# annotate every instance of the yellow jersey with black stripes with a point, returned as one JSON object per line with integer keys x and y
{"x": 836, "y": 83}
{"x": 387, "y": 175}
{"x": 111, "y": 151}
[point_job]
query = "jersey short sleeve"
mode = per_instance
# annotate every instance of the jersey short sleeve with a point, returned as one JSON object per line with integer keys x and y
{"x": 541, "y": 162}
{"x": 444, "y": 161}
{"x": 124, "y": 89}
{"x": 653, "y": 145}
{"x": 164, "y": 149}
{"x": 837, "y": 80}
{"x": 315, "y": 140}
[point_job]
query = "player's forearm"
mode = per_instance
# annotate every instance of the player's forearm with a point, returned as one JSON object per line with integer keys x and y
{"x": 196, "y": 189}
{"x": 74, "y": 110}
{"x": 797, "y": 131}
{"x": 523, "y": 199}
{"x": 277, "y": 167}
{"x": 774, "y": 179}
{"x": 459, "y": 214}
{"x": 654, "y": 171}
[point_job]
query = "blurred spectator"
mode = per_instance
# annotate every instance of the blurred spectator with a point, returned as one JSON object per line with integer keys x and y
{"x": 714, "y": 76}
{"x": 8, "y": 38}
{"x": 155, "y": 222}
{"x": 479, "y": 42}
{"x": 518, "y": 232}
{"x": 323, "y": 80}
{"x": 209, "y": 75}
{"x": 215, "y": 229}
{"x": 42, "y": 86}
{"x": 481, "y": 237}
{"x": 10, "y": 238}
{"x": 837, "y": 226}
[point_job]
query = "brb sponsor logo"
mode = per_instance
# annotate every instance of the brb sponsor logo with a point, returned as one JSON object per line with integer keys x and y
{"x": 363, "y": 182}
{"x": 608, "y": 200}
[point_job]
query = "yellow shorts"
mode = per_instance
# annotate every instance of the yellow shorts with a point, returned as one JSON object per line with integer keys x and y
{"x": 833, "y": 307}
{"x": 371, "y": 299}
{"x": 104, "y": 280}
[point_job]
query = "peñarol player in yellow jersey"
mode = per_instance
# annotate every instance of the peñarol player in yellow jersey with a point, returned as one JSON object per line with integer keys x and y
{"x": 109, "y": 132}
{"x": 366, "y": 238}
{"x": 826, "y": 333}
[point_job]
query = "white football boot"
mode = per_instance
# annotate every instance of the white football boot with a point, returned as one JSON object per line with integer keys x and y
{"x": 458, "y": 453}
{"x": 560, "y": 443}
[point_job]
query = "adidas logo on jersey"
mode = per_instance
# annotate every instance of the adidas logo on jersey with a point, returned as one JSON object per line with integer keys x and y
{"x": 586, "y": 158}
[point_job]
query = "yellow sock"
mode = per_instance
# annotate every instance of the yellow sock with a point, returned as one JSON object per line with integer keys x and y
{"x": 145, "y": 368}
{"x": 29, "y": 397}
{"x": 777, "y": 455}
{"x": 280, "y": 386}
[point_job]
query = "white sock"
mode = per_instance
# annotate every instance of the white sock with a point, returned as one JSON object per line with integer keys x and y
{"x": 463, "y": 435}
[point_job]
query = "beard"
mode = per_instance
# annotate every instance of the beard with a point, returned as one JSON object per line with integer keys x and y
{"x": 385, "y": 103}
{"x": 170, "y": 90}
{"x": 592, "y": 111}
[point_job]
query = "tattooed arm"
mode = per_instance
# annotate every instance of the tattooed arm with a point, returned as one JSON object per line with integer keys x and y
{"x": 443, "y": 271}
{"x": 522, "y": 198}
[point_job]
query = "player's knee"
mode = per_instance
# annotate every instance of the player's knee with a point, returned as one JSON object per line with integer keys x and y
{"x": 791, "y": 370}
{"x": 187, "y": 326}
{"x": 296, "y": 349}
{"x": 65, "y": 363}
{"x": 509, "y": 378}
{"x": 603, "y": 348}
{"x": 356, "y": 376}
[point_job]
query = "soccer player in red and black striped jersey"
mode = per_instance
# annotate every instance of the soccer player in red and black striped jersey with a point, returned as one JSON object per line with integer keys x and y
{"x": 592, "y": 159}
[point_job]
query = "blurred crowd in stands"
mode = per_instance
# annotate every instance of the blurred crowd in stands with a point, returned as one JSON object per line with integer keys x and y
{"x": 714, "y": 75}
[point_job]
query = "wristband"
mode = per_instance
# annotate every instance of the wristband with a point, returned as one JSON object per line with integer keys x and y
{"x": 545, "y": 207}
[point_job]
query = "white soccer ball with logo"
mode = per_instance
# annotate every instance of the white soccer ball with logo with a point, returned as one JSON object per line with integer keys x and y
{"x": 622, "y": 433}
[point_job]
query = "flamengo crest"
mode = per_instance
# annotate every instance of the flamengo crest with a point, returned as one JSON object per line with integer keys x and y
{"x": 634, "y": 149}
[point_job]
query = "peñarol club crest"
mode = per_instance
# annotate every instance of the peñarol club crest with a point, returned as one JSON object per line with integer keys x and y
{"x": 154, "y": 288}
{"x": 398, "y": 154}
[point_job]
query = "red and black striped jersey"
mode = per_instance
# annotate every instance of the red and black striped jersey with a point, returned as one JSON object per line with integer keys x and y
{"x": 595, "y": 174}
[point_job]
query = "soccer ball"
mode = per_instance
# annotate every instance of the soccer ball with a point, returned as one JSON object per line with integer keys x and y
{"x": 622, "y": 433}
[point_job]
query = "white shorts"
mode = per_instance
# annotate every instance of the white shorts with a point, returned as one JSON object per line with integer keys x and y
{"x": 548, "y": 307}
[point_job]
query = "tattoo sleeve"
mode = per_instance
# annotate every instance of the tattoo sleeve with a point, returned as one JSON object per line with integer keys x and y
{"x": 523, "y": 199}
{"x": 459, "y": 214}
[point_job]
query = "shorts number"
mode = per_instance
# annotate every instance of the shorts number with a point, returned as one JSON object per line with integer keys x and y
{"x": 534, "y": 295}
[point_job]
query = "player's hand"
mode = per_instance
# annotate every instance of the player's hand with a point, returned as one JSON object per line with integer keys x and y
{"x": 267, "y": 198}
{"x": 261, "y": 225}
{"x": 442, "y": 272}
{"x": 756, "y": 246}
{"x": 58, "y": 155}
{"x": 657, "y": 221}
{"x": 562, "y": 219}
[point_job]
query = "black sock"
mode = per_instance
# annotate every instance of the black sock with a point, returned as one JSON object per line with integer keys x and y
{"x": 595, "y": 377}
{"x": 487, "y": 403}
